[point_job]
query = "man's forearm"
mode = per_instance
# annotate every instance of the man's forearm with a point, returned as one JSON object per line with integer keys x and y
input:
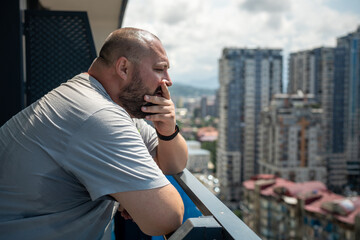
{"x": 172, "y": 155}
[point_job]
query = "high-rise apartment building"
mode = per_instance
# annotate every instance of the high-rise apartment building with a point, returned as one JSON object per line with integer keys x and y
{"x": 203, "y": 107}
{"x": 302, "y": 72}
{"x": 248, "y": 79}
{"x": 290, "y": 138}
{"x": 307, "y": 69}
{"x": 333, "y": 75}
{"x": 312, "y": 72}
{"x": 321, "y": 72}
{"x": 351, "y": 46}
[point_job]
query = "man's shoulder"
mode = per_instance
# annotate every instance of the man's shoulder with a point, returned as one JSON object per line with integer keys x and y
{"x": 85, "y": 93}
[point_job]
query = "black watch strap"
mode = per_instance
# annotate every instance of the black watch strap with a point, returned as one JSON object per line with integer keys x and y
{"x": 171, "y": 137}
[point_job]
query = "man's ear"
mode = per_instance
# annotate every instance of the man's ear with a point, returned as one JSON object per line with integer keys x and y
{"x": 122, "y": 67}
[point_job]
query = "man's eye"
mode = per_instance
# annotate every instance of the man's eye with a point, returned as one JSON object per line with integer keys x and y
{"x": 159, "y": 69}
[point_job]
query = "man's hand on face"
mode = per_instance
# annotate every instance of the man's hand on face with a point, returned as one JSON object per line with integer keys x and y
{"x": 163, "y": 112}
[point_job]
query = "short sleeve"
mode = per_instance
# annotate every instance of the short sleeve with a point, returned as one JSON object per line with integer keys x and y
{"x": 108, "y": 155}
{"x": 148, "y": 134}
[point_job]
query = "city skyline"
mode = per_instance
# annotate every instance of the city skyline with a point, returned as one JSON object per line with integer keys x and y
{"x": 195, "y": 32}
{"x": 290, "y": 135}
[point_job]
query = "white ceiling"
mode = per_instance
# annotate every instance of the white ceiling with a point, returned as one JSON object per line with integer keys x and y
{"x": 103, "y": 15}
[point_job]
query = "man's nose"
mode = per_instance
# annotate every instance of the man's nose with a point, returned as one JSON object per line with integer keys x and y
{"x": 168, "y": 80}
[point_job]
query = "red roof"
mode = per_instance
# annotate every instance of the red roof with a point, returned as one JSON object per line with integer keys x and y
{"x": 249, "y": 185}
{"x": 268, "y": 182}
{"x": 207, "y": 134}
{"x": 302, "y": 189}
{"x": 317, "y": 198}
{"x": 327, "y": 196}
{"x": 280, "y": 183}
{"x": 263, "y": 176}
{"x": 283, "y": 186}
{"x": 350, "y": 218}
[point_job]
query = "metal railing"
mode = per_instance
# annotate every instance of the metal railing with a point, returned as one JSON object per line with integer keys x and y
{"x": 210, "y": 206}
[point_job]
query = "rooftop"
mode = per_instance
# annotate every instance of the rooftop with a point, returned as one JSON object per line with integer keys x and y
{"x": 317, "y": 198}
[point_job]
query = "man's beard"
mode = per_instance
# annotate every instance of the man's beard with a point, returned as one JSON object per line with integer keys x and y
{"x": 132, "y": 97}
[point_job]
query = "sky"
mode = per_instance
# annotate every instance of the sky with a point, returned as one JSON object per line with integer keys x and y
{"x": 194, "y": 32}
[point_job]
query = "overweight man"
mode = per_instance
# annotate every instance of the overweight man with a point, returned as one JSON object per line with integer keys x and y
{"x": 70, "y": 160}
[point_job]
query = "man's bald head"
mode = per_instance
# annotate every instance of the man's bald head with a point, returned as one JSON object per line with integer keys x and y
{"x": 131, "y": 43}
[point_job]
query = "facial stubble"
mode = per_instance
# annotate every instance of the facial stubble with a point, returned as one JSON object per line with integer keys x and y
{"x": 132, "y": 97}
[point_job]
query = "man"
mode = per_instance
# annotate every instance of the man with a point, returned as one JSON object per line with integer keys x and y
{"x": 67, "y": 157}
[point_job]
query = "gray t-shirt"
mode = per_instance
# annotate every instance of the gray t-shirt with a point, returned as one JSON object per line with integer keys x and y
{"x": 63, "y": 155}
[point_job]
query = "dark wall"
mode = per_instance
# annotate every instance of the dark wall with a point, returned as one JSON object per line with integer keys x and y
{"x": 11, "y": 87}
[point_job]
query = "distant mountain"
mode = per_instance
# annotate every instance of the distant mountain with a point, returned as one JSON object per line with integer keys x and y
{"x": 182, "y": 90}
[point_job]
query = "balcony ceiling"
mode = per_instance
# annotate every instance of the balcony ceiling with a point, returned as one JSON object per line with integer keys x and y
{"x": 104, "y": 16}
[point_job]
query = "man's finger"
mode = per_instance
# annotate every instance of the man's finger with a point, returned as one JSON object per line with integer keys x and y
{"x": 157, "y": 109}
{"x": 165, "y": 90}
{"x": 160, "y": 117}
{"x": 156, "y": 100}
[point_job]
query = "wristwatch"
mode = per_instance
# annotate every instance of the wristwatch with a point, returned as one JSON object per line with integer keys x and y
{"x": 171, "y": 137}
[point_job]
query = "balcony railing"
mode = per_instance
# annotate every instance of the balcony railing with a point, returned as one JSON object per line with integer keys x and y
{"x": 216, "y": 221}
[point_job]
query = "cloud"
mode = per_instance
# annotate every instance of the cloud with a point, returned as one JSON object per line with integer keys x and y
{"x": 273, "y": 11}
{"x": 195, "y": 32}
{"x": 274, "y": 22}
{"x": 174, "y": 14}
{"x": 273, "y": 6}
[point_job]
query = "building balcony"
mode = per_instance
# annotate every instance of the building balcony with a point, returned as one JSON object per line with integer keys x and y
{"x": 206, "y": 217}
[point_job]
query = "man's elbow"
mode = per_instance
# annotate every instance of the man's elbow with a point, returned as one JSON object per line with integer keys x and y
{"x": 165, "y": 222}
{"x": 174, "y": 171}
{"x": 182, "y": 166}
{"x": 176, "y": 168}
